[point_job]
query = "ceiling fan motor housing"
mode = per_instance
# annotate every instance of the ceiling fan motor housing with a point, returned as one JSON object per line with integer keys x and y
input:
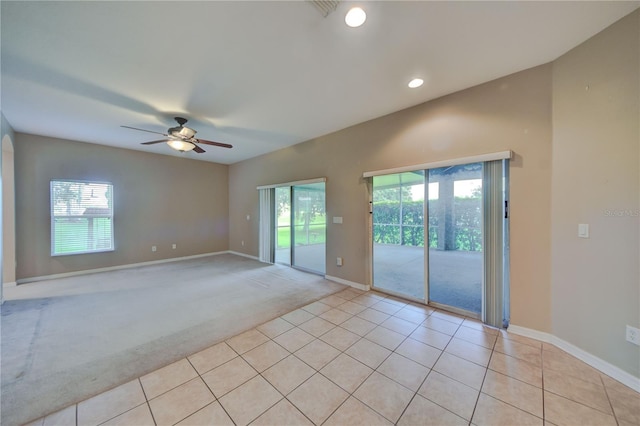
{"x": 182, "y": 132}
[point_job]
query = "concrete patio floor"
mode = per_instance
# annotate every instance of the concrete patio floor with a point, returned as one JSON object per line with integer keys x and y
{"x": 455, "y": 276}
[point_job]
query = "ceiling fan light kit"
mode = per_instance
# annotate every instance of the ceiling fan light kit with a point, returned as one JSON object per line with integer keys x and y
{"x": 181, "y": 146}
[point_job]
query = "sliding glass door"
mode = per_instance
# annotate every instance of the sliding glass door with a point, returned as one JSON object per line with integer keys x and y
{"x": 398, "y": 234}
{"x": 300, "y": 226}
{"x": 283, "y": 225}
{"x": 455, "y": 237}
{"x": 309, "y": 227}
{"x": 456, "y": 259}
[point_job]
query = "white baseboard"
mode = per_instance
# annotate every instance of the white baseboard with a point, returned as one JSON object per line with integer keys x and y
{"x": 10, "y": 284}
{"x": 610, "y": 370}
{"x": 349, "y": 283}
{"x": 115, "y": 268}
{"x": 237, "y": 253}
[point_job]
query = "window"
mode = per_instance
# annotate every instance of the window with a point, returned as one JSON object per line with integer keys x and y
{"x": 81, "y": 217}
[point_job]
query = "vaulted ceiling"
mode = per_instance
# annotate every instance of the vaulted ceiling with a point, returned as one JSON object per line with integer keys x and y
{"x": 261, "y": 75}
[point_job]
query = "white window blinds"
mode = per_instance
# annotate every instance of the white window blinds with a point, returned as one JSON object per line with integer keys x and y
{"x": 81, "y": 217}
{"x": 266, "y": 251}
{"x": 496, "y": 243}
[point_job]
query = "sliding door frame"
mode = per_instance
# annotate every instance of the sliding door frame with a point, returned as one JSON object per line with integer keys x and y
{"x": 268, "y": 222}
{"x": 495, "y": 281}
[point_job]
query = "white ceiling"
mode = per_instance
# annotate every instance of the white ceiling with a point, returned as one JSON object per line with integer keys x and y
{"x": 261, "y": 75}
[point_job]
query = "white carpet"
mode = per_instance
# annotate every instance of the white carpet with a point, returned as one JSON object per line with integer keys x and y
{"x": 68, "y": 339}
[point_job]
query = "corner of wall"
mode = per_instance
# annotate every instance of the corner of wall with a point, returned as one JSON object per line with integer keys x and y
{"x": 7, "y": 136}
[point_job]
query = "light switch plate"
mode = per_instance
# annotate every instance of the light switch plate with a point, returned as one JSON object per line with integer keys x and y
{"x": 583, "y": 230}
{"x": 337, "y": 219}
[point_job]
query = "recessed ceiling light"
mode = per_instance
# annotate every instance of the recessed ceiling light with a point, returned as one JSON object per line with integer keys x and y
{"x": 355, "y": 17}
{"x": 416, "y": 82}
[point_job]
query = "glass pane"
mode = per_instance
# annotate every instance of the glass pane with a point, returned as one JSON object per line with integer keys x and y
{"x": 398, "y": 233}
{"x": 455, "y": 236}
{"x": 283, "y": 222}
{"x": 81, "y": 217}
{"x": 309, "y": 227}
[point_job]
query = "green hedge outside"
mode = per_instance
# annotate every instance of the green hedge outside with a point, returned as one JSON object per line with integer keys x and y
{"x": 390, "y": 228}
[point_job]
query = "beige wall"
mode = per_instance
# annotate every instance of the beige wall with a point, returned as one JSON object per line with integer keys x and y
{"x": 596, "y": 180}
{"x": 158, "y": 200}
{"x": 510, "y": 113}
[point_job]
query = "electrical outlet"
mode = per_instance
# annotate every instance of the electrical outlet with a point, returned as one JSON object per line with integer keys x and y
{"x": 633, "y": 335}
{"x": 174, "y": 246}
{"x": 154, "y": 248}
{"x": 339, "y": 261}
{"x": 242, "y": 243}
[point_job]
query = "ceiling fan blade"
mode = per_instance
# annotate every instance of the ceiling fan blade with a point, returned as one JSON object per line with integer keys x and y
{"x": 198, "y": 149}
{"x": 223, "y": 145}
{"x": 152, "y": 142}
{"x": 143, "y": 130}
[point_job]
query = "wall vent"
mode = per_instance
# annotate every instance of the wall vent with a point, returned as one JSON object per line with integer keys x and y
{"x": 324, "y": 6}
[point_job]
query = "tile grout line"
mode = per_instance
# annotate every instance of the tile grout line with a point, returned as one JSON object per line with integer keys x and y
{"x": 442, "y": 351}
{"x": 374, "y": 370}
{"x": 508, "y": 403}
{"x": 599, "y": 410}
{"x": 615, "y": 416}
{"x": 146, "y": 401}
{"x": 257, "y": 374}
{"x": 421, "y": 383}
{"x": 475, "y": 407}
{"x": 544, "y": 408}
{"x": 574, "y": 400}
{"x": 216, "y": 399}
{"x": 284, "y": 397}
{"x": 426, "y": 377}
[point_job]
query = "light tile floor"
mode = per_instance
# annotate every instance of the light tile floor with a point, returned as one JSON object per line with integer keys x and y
{"x": 365, "y": 358}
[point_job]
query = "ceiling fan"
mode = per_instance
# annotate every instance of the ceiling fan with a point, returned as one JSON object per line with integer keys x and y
{"x": 181, "y": 138}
